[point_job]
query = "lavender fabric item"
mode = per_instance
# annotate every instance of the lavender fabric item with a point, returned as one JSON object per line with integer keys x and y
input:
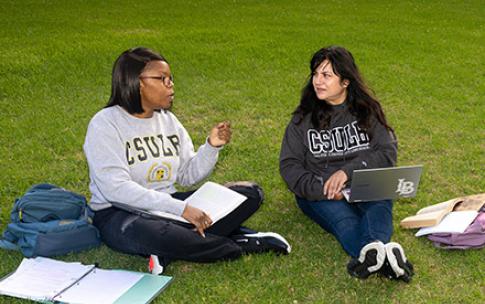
{"x": 473, "y": 237}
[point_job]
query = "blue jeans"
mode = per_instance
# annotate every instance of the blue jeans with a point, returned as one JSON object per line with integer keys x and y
{"x": 353, "y": 225}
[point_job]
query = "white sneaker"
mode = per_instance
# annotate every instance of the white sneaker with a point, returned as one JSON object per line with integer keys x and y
{"x": 372, "y": 257}
{"x": 154, "y": 265}
{"x": 400, "y": 267}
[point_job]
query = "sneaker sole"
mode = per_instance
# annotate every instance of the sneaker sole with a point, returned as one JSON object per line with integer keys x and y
{"x": 396, "y": 257}
{"x": 272, "y": 234}
{"x": 248, "y": 184}
{"x": 380, "y": 255}
{"x": 154, "y": 265}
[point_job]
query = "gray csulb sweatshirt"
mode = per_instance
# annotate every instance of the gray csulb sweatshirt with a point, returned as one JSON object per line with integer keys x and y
{"x": 310, "y": 156}
{"x": 137, "y": 161}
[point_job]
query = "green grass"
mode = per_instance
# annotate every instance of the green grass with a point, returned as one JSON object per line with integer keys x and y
{"x": 246, "y": 61}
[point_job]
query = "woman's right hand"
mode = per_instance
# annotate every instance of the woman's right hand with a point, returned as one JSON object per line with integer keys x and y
{"x": 197, "y": 217}
{"x": 220, "y": 134}
{"x": 334, "y": 185}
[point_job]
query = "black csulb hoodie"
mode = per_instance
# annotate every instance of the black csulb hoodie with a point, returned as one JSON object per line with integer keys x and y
{"x": 310, "y": 156}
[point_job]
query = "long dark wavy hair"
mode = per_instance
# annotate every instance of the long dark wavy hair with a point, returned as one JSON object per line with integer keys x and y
{"x": 361, "y": 101}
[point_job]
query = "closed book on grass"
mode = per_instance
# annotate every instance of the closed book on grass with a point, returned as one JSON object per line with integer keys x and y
{"x": 432, "y": 215}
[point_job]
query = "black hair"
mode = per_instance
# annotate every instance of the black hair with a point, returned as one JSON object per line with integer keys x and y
{"x": 125, "y": 83}
{"x": 360, "y": 100}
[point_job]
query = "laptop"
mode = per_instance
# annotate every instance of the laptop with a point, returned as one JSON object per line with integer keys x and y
{"x": 383, "y": 183}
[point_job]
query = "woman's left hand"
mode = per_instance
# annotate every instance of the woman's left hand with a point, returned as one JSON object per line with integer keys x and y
{"x": 334, "y": 185}
{"x": 220, "y": 134}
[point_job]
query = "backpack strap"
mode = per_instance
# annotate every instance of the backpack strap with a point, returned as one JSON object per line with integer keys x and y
{"x": 8, "y": 245}
{"x": 7, "y": 241}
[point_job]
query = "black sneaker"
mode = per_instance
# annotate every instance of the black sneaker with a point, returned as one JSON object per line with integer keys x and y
{"x": 397, "y": 267}
{"x": 387, "y": 272}
{"x": 370, "y": 260}
{"x": 262, "y": 242}
{"x": 243, "y": 230}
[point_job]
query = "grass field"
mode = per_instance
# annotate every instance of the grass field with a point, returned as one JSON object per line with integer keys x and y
{"x": 247, "y": 61}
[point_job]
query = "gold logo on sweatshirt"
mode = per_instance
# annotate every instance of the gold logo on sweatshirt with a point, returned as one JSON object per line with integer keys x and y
{"x": 159, "y": 172}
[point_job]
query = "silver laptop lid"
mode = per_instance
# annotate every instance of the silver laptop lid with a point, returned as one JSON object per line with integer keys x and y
{"x": 384, "y": 183}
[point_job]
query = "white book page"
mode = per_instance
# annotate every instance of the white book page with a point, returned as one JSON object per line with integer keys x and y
{"x": 437, "y": 207}
{"x": 214, "y": 199}
{"x": 453, "y": 222}
{"x": 100, "y": 286}
{"x": 42, "y": 278}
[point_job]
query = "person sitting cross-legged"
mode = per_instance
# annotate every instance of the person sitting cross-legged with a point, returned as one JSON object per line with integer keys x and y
{"x": 137, "y": 150}
{"x": 337, "y": 128}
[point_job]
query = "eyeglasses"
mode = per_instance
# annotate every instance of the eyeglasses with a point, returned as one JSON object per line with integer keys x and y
{"x": 167, "y": 81}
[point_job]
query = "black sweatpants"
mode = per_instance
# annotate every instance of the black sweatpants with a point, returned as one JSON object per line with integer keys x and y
{"x": 171, "y": 240}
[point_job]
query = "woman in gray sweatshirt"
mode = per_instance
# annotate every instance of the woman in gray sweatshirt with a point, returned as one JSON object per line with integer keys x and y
{"x": 137, "y": 151}
{"x": 337, "y": 128}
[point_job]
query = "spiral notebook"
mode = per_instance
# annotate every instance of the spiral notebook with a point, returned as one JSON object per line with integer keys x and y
{"x": 51, "y": 281}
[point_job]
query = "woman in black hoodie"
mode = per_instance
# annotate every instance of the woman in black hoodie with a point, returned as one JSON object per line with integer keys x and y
{"x": 337, "y": 128}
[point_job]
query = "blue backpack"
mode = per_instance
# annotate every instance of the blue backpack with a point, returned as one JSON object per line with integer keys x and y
{"x": 49, "y": 221}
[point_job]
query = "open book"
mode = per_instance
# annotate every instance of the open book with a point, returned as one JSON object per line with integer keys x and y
{"x": 432, "y": 215}
{"x": 453, "y": 222}
{"x": 214, "y": 199}
{"x": 48, "y": 280}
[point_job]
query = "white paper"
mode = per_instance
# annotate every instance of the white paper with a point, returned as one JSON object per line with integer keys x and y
{"x": 214, "y": 199}
{"x": 453, "y": 222}
{"x": 42, "y": 278}
{"x": 346, "y": 194}
{"x": 100, "y": 286}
